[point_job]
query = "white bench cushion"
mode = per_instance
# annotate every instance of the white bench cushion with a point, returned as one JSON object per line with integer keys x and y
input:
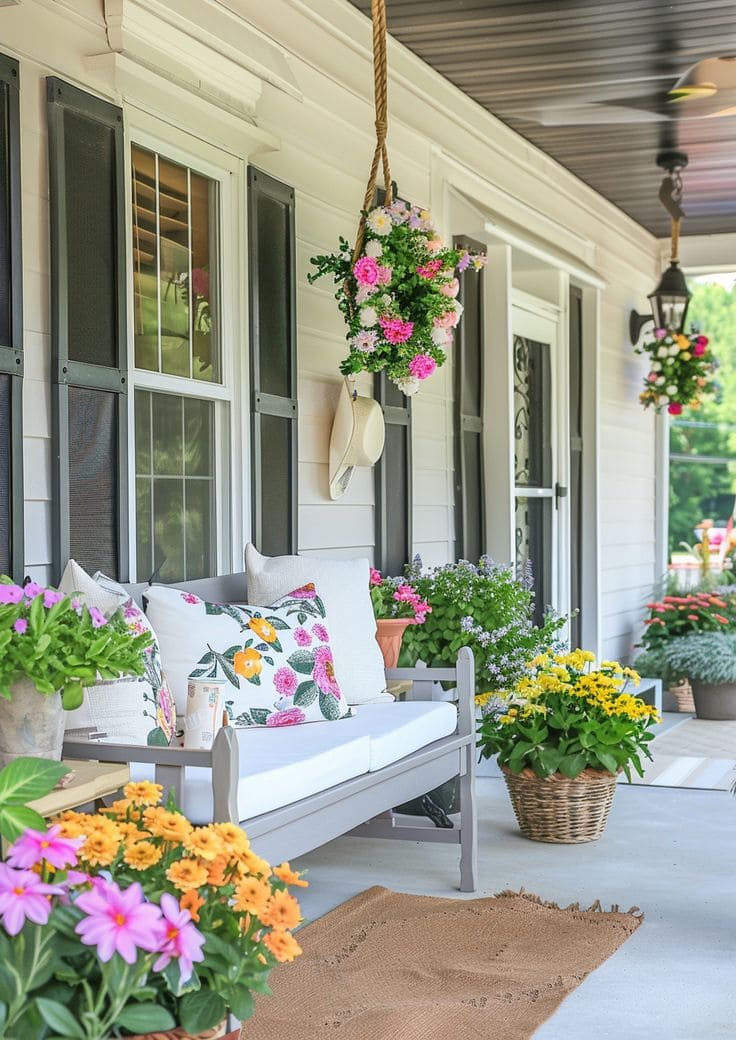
{"x": 280, "y": 766}
{"x": 397, "y": 730}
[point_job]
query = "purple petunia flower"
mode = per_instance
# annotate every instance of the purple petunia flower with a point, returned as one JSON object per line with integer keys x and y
{"x": 20, "y": 626}
{"x": 98, "y": 618}
{"x": 32, "y": 589}
{"x": 10, "y": 594}
{"x": 51, "y": 597}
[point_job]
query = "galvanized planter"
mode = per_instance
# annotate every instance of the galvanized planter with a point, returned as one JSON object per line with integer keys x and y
{"x": 714, "y": 702}
{"x": 31, "y": 723}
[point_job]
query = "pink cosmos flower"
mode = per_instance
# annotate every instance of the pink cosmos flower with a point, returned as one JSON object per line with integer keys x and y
{"x": 451, "y": 288}
{"x": 23, "y": 896}
{"x": 10, "y": 594}
{"x": 118, "y": 921}
{"x": 699, "y": 348}
{"x": 396, "y": 330}
{"x": 200, "y": 283}
{"x": 422, "y": 366}
{"x": 35, "y": 846}
{"x": 190, "y": 598}
{"x": 98, "y": 618}
{"x": 179, "y": 939}
{"x": 429, "y": 270}
{"x": 307, "y": 591}
{"x": 375, "y": 577}
{"x": 674, "y": 408}
{"x": 660, "y": 333}
{"x": 288, "y": 717}
{"x": 32, "y": 589}
{"x": 321, "y": 633}
{"x": 324, "y": 672}
{"x": 385, "y": 275}
{"x": 51, "y": 597}
{"x": 20, "y": 626}
{"x": 302, "y": 637}
{"x": 366, "y": 270}
{"x": 285, "y": 681}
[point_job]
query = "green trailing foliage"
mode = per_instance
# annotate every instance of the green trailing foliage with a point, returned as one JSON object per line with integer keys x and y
{"x": 706, "y": 657}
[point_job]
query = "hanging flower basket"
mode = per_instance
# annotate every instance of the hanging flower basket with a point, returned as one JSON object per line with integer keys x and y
{"x": 681, "y": 371}
{"x": 397, "y": 287}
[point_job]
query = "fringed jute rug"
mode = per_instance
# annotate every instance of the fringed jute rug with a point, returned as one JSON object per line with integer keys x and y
{"x": 387, "y": 966}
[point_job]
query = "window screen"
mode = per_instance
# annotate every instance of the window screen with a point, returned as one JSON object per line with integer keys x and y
{"x": 470, "y": 525}
{"x": 88, "y": 330}
{"x": 272, "y": 282}
{"x": 11, "y": 325}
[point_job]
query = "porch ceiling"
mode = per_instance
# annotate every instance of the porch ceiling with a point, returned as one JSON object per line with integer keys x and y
{"x": 587, "y": 81}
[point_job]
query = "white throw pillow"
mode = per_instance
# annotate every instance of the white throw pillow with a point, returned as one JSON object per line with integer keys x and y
{"x": 276, "y": 661}
{"x": 132, "y": 709}
{"x": 343, "y": 585}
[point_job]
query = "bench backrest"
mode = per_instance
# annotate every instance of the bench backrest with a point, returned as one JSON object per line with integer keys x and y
{"x": 227, "y": 588}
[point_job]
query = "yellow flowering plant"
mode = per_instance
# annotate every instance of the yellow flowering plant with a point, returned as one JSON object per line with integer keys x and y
{"x": 237, "y": 902}
{"x": 566, "y": 715}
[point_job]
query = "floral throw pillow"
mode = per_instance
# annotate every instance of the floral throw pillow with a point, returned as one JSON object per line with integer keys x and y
{"x": 277, "y": 661}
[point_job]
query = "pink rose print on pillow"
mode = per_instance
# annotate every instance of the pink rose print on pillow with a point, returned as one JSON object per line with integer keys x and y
{"x": 289, "y": 717}
{"x": 324, "y": 672}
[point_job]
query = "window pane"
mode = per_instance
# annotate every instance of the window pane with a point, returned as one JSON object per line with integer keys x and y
{"x": 276, "y": 488}
{"x": 174, "y": 273}
{"x": 5, "y": 475}
{"x": 274, "y": 303}
{"x": 175, "y": 486}
{"x": 93, "y": 479}
{"x": 533, "y": 549}
{"x": 532, "y": 430}
{"x": 472, "y": 486}
{"x": 5, "y": 268}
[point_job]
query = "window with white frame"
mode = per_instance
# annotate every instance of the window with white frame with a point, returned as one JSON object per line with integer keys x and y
{"x": 181, "y": 399}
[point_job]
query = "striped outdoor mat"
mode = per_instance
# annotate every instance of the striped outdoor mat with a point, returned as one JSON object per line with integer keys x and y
{"x": 699, "y": 754}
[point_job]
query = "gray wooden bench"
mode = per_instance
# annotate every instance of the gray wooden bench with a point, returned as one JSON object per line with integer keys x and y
{"x": 360, "y": 806}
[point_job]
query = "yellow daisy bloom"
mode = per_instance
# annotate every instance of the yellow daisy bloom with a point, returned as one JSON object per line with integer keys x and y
{"x": 143, "y": 793}
{"x": 187, "y": 874}
{"x": 203, "y": 842}
{"x": 142, "y": 855}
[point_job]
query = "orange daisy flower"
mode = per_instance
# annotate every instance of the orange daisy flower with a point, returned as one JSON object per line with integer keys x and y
{"x": 193, "y": 902}
{"x": 99, "y": 850}
{"x": 203, "y": 842}
{"x": 233, "y": 837}
{"x": 143, "y": 792}
{"x": 170, "y": 826}
{"x": 142, "y": 855}
{"x": 187, "y": 874}
{"x": 282, "y": 945}
{"x": 216, "y": 872}
{"x": 282, "y": 911}
{"x": 254, "y": 864}
{"x": 252, "y": 895}
{"x": 289, "y": 877}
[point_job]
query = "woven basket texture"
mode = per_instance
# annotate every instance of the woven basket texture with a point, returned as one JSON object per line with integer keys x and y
{"x": 556, "y": 809}
{"x": 683, "y": 694}
{"x": 179, "y": 1034}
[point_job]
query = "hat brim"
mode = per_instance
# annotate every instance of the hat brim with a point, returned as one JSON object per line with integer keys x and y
{"x": 357, "y": 438}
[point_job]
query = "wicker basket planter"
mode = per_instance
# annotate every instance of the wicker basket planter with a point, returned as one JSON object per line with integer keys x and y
{"x": 179, "y": 1034}
{"x": 559, "y": 810}
{"x": 683, "y": 694}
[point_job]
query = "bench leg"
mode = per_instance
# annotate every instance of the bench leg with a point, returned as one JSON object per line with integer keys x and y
{"x": 468, "y": 825}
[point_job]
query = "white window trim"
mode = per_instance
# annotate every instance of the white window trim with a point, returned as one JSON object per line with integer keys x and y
{"x": 232, "y": 434}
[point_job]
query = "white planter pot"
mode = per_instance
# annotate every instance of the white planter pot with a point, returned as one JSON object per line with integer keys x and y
{"x": 31, "y": 723}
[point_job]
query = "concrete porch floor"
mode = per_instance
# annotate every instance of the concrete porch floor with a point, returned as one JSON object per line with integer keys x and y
{"x": 671, "y": 852}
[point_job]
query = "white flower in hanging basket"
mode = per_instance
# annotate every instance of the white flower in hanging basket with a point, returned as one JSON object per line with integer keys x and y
{"x": 402, "y": 286}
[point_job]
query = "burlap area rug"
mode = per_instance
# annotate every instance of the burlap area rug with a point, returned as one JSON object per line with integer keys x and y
{"x": 387, "y": 966}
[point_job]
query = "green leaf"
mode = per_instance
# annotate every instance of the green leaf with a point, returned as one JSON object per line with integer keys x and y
{"x": 201, "y": 1010}
{"x": 242, "y": 1004}
{"x": 550, "y": 759}
{"x": 28, "y": 778}
{"x": 145, "y": 1018}
{"x": 259, "y": 715}
{"x": 572, "y": 765}
{"x": 329, "y": 706}
{"x": 228, "y": 670}
{"x": 59, "y": 1018}
{"x": 72, "y": 696}
{"x": 157, "y": 738}
{"x": 302, "y": 661}
{"x": 14, "y": 819}
{"x": 306, "y": 693}
{"x": 278, "y": 623}
{"x": 607, "y": 760}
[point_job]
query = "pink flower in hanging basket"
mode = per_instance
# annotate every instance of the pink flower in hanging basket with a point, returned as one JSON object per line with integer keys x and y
{"x": 422, "y": 365}
{"x": 699, "y": 348}
{"x": 385, "y": 275}
{"x": 448, "y": 320}
{"x": 430, "y": 269}
{"x": 674, "y": 408}
{"x": 396, "y": 330}
{"x": 451, "y": 288}
{"x": 366, "y": 271}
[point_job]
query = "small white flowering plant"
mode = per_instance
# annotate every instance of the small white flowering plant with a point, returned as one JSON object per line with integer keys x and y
{"x": 681, "y": 371}
{"x": 398, "y": 295}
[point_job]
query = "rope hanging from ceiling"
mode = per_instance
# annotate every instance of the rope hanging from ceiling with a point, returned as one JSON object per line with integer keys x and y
{"x": 380, "y": 94}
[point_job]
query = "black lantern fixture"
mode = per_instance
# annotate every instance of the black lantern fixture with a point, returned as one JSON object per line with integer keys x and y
{"x": 671, "y": 299}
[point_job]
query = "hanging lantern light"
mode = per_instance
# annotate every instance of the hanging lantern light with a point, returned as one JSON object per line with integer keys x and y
{"x": 670, "y": 300}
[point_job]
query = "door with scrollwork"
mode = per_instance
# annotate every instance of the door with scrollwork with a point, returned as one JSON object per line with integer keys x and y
{"x": 537, "y": 494}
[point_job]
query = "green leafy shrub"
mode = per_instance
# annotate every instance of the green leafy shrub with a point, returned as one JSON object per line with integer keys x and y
{"x": 707, "y": 657}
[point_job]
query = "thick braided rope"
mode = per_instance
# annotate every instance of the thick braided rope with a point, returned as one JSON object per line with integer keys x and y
{"x": 675, "y": 251}
{"x": 380, "y": 93}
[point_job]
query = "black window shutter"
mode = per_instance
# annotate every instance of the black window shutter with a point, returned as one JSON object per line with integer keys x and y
{"x": 393, "y": 480}
{"x": 470, "y": 523}
{"x": 89, "y": 330}
{"x": 11, "y": 325}
{"x": 272, "y": 291}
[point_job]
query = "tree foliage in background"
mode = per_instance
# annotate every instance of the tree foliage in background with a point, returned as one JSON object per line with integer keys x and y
{"x": 699, "y": 490}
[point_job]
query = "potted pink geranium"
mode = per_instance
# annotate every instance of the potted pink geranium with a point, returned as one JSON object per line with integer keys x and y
{"x": 396, "y": 606}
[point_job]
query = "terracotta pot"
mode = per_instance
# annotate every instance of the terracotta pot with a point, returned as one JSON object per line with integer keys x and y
{"x": 389, "y": 633}
{"x": 179, "y": 1034}
{"x": 714, "y": 702}
{"x": 31, "y": 723}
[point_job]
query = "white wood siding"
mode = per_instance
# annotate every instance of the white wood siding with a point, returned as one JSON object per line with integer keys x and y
{"x": 322, "y": 146}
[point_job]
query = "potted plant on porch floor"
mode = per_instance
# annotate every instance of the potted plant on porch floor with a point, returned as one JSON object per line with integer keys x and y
{"x": 709, "y": 660}
{"x": 132, "y": 921}
{"x": 562, "y": 736}
{"x": 51, "y": 647}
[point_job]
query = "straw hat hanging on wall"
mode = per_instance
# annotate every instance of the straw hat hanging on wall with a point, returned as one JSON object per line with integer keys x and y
{"x": 358, "y": 433}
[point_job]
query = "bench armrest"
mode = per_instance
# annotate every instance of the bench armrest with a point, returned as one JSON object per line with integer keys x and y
{"x": 463, "y": 675}
{"x": 170, "y": 763}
